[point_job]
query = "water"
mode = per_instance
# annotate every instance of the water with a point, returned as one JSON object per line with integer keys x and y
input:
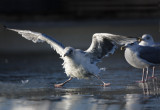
{"x": 26, "y": 79}
{"x": 26, "y": 83}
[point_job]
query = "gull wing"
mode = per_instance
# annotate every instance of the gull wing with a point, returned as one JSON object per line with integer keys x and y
{"x": 150, "y": 54}
{"x": 39, "y": 37}
{"x": 104, "y": 44}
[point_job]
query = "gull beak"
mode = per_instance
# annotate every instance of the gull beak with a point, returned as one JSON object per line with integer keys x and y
{"x": 123, "y": 47}
{"x": 139, "y": 39}
{"x": 65, "y": 55}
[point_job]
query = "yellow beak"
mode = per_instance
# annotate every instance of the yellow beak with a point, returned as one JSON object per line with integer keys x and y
{"x": 139, "y": 39}
{"x": 123, "y": 48}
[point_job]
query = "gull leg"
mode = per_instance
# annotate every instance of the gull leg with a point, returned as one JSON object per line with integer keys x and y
{"x": 104, "y": 84}
{"x": 146, "y": 75}
{"x": 143, "y": 75}
{"x": 153, "y": 72}
{"x": 142, "y": 81}
{"x": 62, "y": 84}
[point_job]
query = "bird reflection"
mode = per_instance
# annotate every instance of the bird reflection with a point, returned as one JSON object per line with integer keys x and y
{"x": 151, "y": 88}
{"x": 133, "y": 102}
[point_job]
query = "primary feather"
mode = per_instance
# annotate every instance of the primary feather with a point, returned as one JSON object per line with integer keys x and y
{"x": 39, "y": 37}
{"x": 104, "y": 44}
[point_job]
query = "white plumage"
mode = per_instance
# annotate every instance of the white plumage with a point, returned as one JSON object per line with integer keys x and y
{"x": 79, "y": 63}
{"x": 147, "y": 40}
{"x": 142, "y": 56}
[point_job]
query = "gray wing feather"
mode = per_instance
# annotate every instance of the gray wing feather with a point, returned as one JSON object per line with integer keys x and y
{"x": 118, "y": 39}
{"x": 150, "y": 54}
{"x": 104, "y": 44}
{"x": 39, "y": 37}
{"x": 156, "y": 44}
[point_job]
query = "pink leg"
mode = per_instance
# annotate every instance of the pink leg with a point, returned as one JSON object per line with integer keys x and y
{"x": 62, "y": 84}
{"x": 153, "y": 77}
{"x": 146, "y": 75}
{"x": 142, "y": 81}
{"x": 104, "y": 84}
{"x": 153, "y": 72}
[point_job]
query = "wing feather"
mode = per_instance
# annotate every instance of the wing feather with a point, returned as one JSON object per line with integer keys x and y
{"x": 104, "y": 44}
{"x": 150, "y": 54}
{"x": 39, "y": 37}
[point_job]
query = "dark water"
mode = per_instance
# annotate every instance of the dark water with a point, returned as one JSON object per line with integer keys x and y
{"x": 26, "y": 83}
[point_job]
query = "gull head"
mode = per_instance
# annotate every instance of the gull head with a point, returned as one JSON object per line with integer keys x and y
{"x": 146, "y": 40}
{"x": 68, "y": 51}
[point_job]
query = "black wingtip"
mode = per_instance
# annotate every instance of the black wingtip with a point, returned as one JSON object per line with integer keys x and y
{"x": 3, "y": 26}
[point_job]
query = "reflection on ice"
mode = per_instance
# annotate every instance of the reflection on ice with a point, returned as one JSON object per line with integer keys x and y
{"x": 151, "y": 88}
{"x": 69, "y": 102}
{"x": 95, "y": 98}
{"x": 79, "y": 102}
{"x": 29, "y": 86}
{"x": 133, "y": 102}
{"x": 21, "y": 104}
{"x": 24, "y": 81}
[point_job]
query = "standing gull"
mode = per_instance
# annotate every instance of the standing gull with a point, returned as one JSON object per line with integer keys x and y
{"x": 78, "y": 63}
{"x": 147, "y": 40}
{"x": 142, "y": 56}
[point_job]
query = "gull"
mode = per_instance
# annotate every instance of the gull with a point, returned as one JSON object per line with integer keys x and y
{"x": 142, "y": 57}
{"x": 78, "y": 63}
{"x": 147, "y": 40}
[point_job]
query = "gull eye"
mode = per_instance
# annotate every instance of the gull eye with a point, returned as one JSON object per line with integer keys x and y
{"x": 148, "y": 38}
{"x": 70, "y": 51}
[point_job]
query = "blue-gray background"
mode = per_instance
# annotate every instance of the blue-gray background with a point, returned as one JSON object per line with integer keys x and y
{"x": 77, "y": 20}
{"x": 28, "y": 71}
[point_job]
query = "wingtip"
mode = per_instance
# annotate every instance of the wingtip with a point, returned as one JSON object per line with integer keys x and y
{"x": 3, "y": 26}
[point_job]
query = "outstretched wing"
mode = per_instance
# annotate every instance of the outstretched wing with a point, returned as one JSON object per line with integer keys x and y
{"x": 104, "y": 44}
{"x": 39, "y": 37}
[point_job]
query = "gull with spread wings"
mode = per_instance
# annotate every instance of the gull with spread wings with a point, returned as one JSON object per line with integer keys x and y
{"x": 78, "y": 63}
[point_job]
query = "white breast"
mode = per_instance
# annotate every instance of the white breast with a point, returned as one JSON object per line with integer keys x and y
{"x": 79, "y": 66}
{"x": 133, "y": 59}
{"x": 144, "y": 43}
